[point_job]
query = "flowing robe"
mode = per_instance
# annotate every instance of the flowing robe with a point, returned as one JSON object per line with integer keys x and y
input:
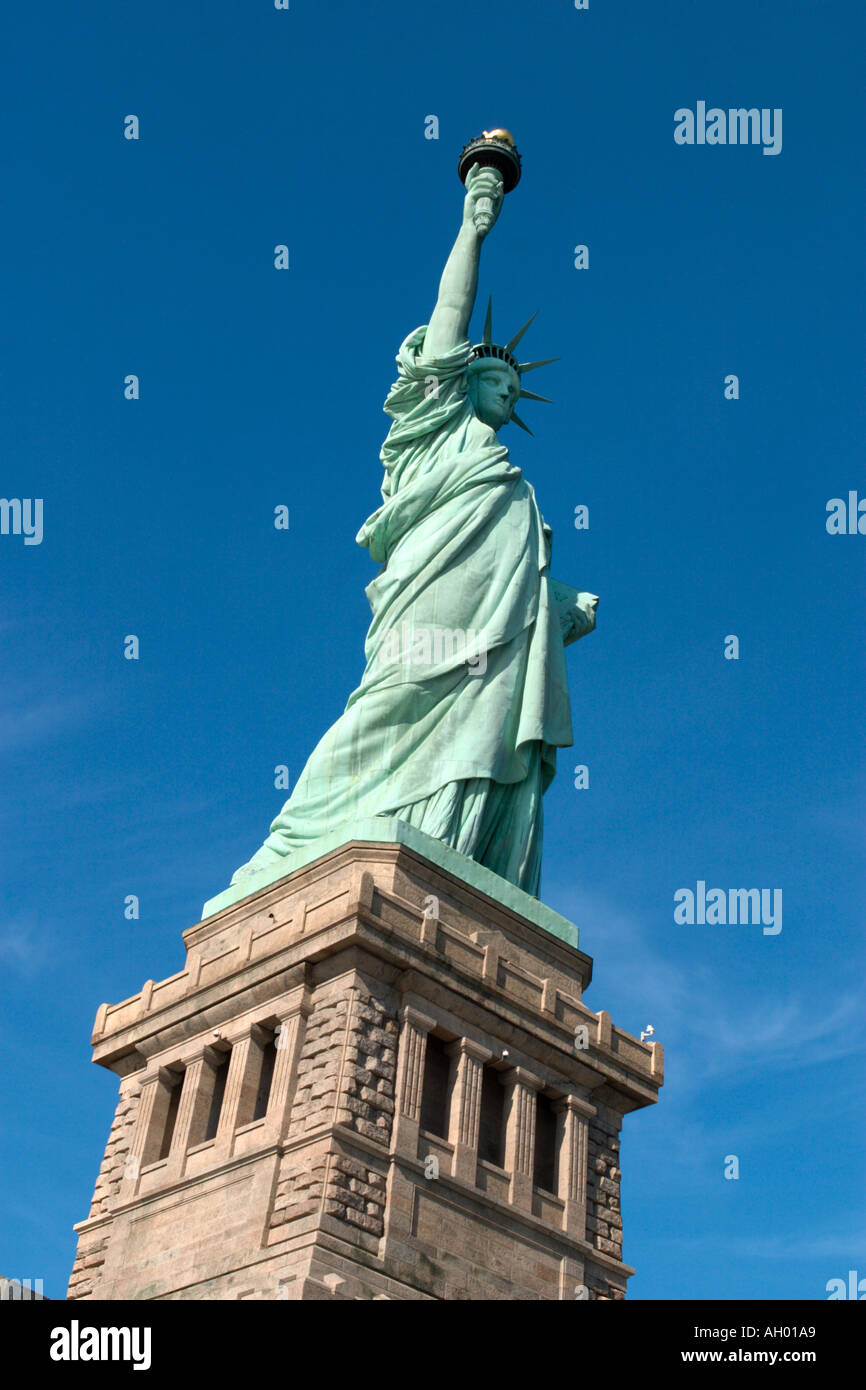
{"x": 456, "y": 736}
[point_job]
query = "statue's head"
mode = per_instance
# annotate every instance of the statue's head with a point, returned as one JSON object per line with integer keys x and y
{"x": 494, "y": 373}
{"x": 494, "y": 388}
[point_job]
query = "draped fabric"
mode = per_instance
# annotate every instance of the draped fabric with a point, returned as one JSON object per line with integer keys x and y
{"x": 464, "y": 697}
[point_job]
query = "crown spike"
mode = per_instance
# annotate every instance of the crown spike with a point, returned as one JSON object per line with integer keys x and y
{"x": 531, "y": 396}
{"x": 509, "y": 347}
{"x": 531, "y": 366}
{"x": 517, "y": 420}
{"x": 487, "y": 335}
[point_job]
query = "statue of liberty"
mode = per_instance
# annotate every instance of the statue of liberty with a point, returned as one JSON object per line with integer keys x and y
{"x": 464, "y": 698}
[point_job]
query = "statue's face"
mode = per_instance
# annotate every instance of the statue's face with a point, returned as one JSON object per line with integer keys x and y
{"x": 494, "y": 391}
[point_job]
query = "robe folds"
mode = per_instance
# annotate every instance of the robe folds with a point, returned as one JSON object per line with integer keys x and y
{"x": 464, "y": 698}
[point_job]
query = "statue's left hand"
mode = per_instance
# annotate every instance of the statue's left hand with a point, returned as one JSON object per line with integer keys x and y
{"x": 576, "y": 610}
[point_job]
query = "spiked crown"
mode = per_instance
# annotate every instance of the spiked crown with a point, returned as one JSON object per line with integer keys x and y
{"x": 487, "y": 350}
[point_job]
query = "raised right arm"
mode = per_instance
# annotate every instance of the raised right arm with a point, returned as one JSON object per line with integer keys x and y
{"x": 449, "y": 322}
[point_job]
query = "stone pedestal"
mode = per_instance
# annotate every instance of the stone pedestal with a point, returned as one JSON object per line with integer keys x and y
{"x": 270, "y": 1142}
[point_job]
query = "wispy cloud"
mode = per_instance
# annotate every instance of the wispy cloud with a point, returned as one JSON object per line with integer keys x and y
{"x": 843, "y": 1244}
{"x": 25, "y": 950}
{"x": 781, "y": 1034}
{"x": 709, "y": 1032}
{"x": 28, "y": 718}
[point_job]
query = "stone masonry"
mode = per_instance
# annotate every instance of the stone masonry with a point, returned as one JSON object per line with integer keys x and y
{"x": 267, "y": 1141}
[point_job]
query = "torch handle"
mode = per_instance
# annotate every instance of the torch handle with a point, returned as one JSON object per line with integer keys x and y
{"x": 483, "y": 218}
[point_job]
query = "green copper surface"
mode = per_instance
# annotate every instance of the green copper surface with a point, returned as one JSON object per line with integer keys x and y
{"x": 386, "y": 830}
{"x": 463, "y": 702}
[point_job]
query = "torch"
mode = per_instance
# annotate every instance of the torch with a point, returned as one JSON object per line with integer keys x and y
{"x": 493, "y": 149}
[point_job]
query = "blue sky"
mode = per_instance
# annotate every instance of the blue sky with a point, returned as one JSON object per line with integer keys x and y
{"x": 260, "y": 387}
